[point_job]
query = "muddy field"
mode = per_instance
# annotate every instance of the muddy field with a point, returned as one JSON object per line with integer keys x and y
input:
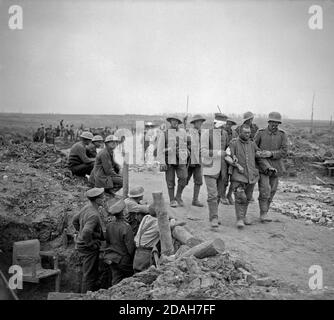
{"x": 38, "y": 198}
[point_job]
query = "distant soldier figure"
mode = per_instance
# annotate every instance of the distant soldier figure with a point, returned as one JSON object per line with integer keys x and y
{"x": 78, "y": 162}
{"x": 57, "y": 131}
{"x": 134, "y": 205}
{"x": 195, "y": 168}
{"x": 231, "y": 134}
{"x": 36, "y": 135}
{"x": 49, "y": 135}
{"x": 273, "y": 143}
{"x": 243, "y": 151}
{"x": 214, "y": 143}
{"x": 88, "y": 223}
{"x": 172, "y": 154}
{"x": 71, "y": 132}
{"x": 94, "y": 147}
{"x": 61, "y": 123}
{"x": 120, "y": 244}
{"x": 248, "y": 118}
{"x": 66, "y": 133}
{"x": 41, "y": 133}
{"x": 106, "y": 172}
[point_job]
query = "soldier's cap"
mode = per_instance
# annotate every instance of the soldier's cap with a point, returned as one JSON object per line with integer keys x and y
{"x": 275, "y": 116}
{"x": 232, "y": 121}
{"x": 197, "y": 117}
{"x": 87, "y": 135}
{"x": 112, "y": 138}
{"x": 97, "y": 138}
{"x": 247, "y": 115}
{"x": 94, "y": 192}
{"x": 220, "y": 116}
{"x": 136, "y": 192}
{"x": 175, "y": 118}
{"x": 116, "y": 207}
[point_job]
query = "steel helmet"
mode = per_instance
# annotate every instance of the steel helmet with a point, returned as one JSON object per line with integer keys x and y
{"x": 174, "y": 117}
{"x": 197, "y": 117}
{"x": 97, "y": 138}
{"x": 275, "y": 116}
{"x": 111, "y": 138}
{"x": 136, "y": 192}
{"x": 247, "y": 115}
{"x": 87, "y": 135}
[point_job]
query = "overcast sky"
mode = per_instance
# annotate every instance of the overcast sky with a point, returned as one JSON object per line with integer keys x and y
{"x": 145, "y": 57}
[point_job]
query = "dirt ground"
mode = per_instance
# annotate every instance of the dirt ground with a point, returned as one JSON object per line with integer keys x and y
{"x": 285, "y": 248}
{"x": 38, "y": 198}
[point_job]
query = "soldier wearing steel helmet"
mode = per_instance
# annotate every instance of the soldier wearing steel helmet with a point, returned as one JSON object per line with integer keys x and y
{"x": 248, "y": 118}
{"x": 135, "y": 206}
{"x": 173, "y": 154}
{"x": 273, "y": 144}
{"x": 106, "y": 172}
{"x": 95, "y": 146}
{"x": 195, "y": 167}
{"x": 78, "y": 162}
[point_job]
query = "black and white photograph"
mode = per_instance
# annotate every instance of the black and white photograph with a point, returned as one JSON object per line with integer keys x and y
{"x": 166, "y": 155}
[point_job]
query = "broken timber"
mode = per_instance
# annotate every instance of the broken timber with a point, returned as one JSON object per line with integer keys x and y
{"x": 182, "y": 235}
{"x": 205, "y": 249}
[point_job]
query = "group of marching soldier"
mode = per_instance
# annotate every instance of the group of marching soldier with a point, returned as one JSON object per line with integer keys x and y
{"x": 231, "y": 161}
{"x": 241, "y": 157}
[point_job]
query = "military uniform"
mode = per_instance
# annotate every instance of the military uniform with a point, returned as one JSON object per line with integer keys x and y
{"x": 89, "y": 225}
{"x": 276, "y": 142}
{"x": 175, "y": 159}
{"x": 243, "y": 183}
{"x": 214, "y": 143}
{"x": 106, "y": 172}
{"x": 132, "y": 209}
{"x": 146, "y": 240}
{"x": 120, "y": 244}
{"x": 120, "y": 249}
{"x": 78, "y": 162}
{"x": 195, "y": 167}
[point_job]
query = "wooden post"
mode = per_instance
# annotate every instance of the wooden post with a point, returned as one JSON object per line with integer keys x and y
{"x": 126, "y": 175}
{"x": 167, "y": 247}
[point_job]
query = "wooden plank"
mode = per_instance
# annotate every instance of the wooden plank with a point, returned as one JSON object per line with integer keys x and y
{"x": 167, "y": 247}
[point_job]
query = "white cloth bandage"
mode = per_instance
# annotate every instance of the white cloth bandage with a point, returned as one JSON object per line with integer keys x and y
{"x": 218, "y": 123}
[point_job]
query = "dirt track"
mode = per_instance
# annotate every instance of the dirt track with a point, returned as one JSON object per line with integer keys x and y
{"x": 285, "y": 249}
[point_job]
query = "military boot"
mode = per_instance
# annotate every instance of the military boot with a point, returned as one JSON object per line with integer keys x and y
{"x": 239, "y": 215}
{"x": 247, "y": 221}
{"x": 213, "y": 214}
{"x": 173, "y": 203}
{"x": 264, "y": 207}
{"x": 178, "y": 196}
{"x": 196, "y": 202}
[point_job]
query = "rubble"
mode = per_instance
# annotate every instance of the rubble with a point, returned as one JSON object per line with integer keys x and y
{"x": 312, "y": 203}
{"x": 218, "y": 277}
